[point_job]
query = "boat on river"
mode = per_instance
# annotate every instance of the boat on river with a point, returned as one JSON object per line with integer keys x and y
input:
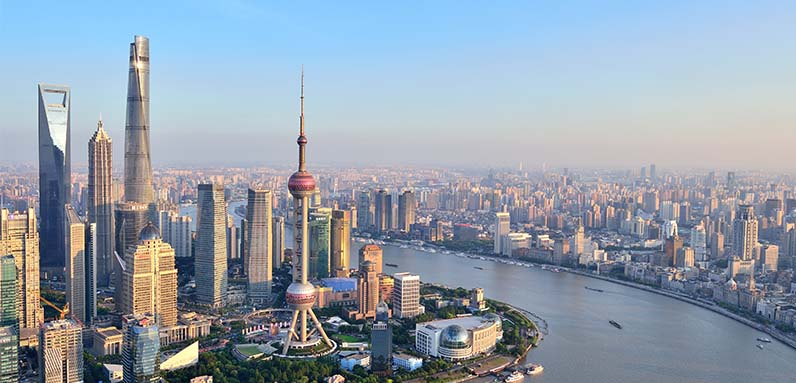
{"x": 593, "y": 289}
{"x": 760, "y": 346}
{"x": 515, "y": 376}
{"x": 535, "y": 369}
{"x": 390, "y": 265}
{"x": 764, "y": 340}
{"x": 615, "y": 324}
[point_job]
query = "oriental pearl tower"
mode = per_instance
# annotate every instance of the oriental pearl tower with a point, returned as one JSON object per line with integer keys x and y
{"x": 301, "y": 295}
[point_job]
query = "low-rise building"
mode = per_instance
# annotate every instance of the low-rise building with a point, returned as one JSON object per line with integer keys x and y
{"x": 107, "y": 341}
{"x": 459, "y": 338}
{"x": 359, "y": 359}
{"x": 406, "y": 361}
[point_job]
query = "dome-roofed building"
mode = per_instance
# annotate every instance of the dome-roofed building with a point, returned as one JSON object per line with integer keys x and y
{"x": 150, "y": 232}
{"x": 458, "y": 338}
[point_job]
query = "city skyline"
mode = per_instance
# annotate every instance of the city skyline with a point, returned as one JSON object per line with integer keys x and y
{"x": 642, "y": 78}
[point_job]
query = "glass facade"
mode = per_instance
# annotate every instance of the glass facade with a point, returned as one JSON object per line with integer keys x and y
{"x": 320, "y": 225}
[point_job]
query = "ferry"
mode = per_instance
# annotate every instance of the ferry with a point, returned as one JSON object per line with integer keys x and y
{"x": 535, "y": 369}
{"x": 615, "y": 324}
{"x": 593, "y": 289}
{"x": 764, "y": 340}
{"x": 760, "y": 346}
{"x": 515, "y": 376}
{"x": 390, "y": 265}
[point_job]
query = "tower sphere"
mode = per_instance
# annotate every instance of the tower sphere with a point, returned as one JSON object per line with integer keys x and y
{"x": 301, "y": 184}
{"x": 300, "y": 296}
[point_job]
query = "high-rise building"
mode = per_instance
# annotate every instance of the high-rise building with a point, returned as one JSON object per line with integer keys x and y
{"x": 140, "y": 349}
{"x": 731, "y": 181}
{"x": 364, "y": 210}
{"x": 176, "y": 231}
{"x": 744, "y": 232}
{"x": 100, "y": 200}
{"x": 671, "y": 247}
{"x": 406, "y": 210}
{"x": 670, "y": 211}
{"x": 211, "y": 246}
{"x": 129, "y": 219}
{"x": 372, "y": 253}
{"x": 383, "y": 211}
{"x": 8, "y": 292}
{"x": 685, "y": 257}
{"x": 232, "y": 239}
{"x": 699, "y": 242}
{"x": 301, "y": 295}
{"x": 9, "y": 355}
{"x": 367, "y": 289}
{"x": 406, "y": 295}
{"x": 75, "y": 270}
{"x": 91, "y": 273}
{"x": 278, "y": 241}
{"x": 61, "y": 352}
{"x": 717, "y": 246}
{"x": 137, "y": 162}
{"x": 502, "y": 229}
{"x": 769, "y": 257}
{"x": 55, "y": 175}
{"x": 149, "y": 279}
{"x": 381, "y": 342}
{"x": 340, "y": 243}
{"x": 259, "y": 238}
{"x": 18, "y": 237}
{"x": 320, "y": 226}
{"x": 577, "y": 244}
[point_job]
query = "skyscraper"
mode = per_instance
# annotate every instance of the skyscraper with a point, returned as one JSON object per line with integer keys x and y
{"x": 301, "y": 295}
{"x": 320, "y": 225}
{"x": 55, "y": 176}
{"x": 259, "y": 238}
{"x": 278, "y": 240}
{"x": 232, "y": 239}
{"x": 9, "y": 355}
{"x": 100, "y": 200}
{"x": 406, "y": 210}
{"x": 368, "y": 289}
{"x": 75, "y": 265}
{"x": 406, "y": 295}
{"x": 8, "y": 292}
{"x": 137, "y": 161}
{"x": 383, "y": 214}
{"x": 211, "y": 246}
{"x": 381, "y": 342}
{"x": 18, "y": 237}
{"x": 744, "y": 233}
{"x": 149, "y": 279}
{"x": 90, "y": 266}
{"x": 671, "y": 247}
{"x": 502, "y": 228}
{"x": 176, "y": 231}
{"x": 340, "y": 243}
{"x": 140, "y": 349}
{"x": 61, "y": 352}
{"x": 364, "y": 210}
{"x": 372, "y": 253}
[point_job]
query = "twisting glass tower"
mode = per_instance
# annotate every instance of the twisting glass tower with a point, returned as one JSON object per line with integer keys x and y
{"x": 300, "y": 294}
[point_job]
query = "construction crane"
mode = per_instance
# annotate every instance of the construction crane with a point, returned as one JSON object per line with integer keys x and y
{"x": 62, "y": 312}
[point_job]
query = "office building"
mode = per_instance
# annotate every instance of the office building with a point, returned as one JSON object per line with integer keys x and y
{"x": 769, "y": 257}
{"x": 717, "y": 246}
{"x": 9, "y": 355}
{"x": 320, "y": 226}
{"x": 364, "y": 210}
{"x": 18, "y": 237}
{"x": 301, "y": 295}
{"x": 137, "y": 162}
{"x": 502, "y": 228}
{"x": 406, "y": 295}
{"x": 383, "y": 211}
{"x": 176, "y": 231}
{"x": 381, "y": 342}
{"x": 372, "y": 253}
{"x": 367, "y": 290}
{"x": 100, "y": 201}
{"x": 744, "y": 232}
{"x": 406, "y": 210}
{"x": 278, "y": 241}
{"x": 129, "y": 219}
{"x": 61, "y": 352}
{"x": 259, "y": 239}
{"x": 149, "y": 279}
{"x": 8, "y": 292}
{"x": 671, "y": 247}
{"x": 340, "y": 243}
{"x": 477, "y": 301}
{"x": 685, "y": 257}
{"x": 699, "y": 242}
{"x": 75, "y": 271}
{"x": 232, "y": 239}
{"x": 141, "y": 348}
{"x": 577, "y": 244}
{"x": 211, "y": 246}
{"x": 107, "y": 341}
{"x": 55, "y": 175}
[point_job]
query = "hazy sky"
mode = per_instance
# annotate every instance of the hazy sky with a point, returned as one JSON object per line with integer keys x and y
{"x": 586, "y": 83}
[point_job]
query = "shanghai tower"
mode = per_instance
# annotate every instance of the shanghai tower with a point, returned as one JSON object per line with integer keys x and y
{"x": 137, "y": 163}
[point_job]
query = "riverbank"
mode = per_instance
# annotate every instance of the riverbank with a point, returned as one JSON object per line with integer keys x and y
{"x": 773, "y": 332}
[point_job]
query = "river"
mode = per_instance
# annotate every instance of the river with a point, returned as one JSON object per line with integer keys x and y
{"x": 662, "y": 339}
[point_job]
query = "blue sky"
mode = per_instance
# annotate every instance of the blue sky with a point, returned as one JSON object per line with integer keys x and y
{"x": 569, "y": 83}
